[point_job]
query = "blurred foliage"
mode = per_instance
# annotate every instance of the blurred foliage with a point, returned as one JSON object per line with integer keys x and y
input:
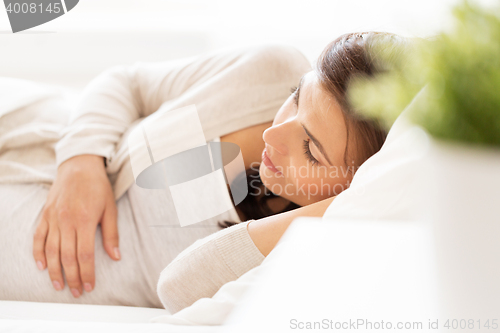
{"x": 461, "y": 69}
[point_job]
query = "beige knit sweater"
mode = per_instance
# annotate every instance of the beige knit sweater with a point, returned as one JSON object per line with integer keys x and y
{"x": 232, "y": 89}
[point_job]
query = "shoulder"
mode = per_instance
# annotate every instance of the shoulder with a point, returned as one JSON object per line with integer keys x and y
{"x": 276, "y": 53}
{"x": 277, "y": 58}
{"x": 270, "y": 59}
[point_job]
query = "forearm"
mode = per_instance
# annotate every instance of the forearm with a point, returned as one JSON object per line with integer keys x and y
{"x": 266, "y": 232}
{"x": 104, "y": 110}
{"x": 200, "y": 270}
{"x": 113, "y": 101}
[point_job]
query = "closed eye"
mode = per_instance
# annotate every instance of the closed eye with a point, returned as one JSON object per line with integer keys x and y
{"x": 307, "y": 152}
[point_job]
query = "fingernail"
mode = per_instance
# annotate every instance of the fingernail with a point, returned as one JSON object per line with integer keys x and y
{"x": 75, "y": 292}
{"x": 117, "y": 253}
{"x": 57, "y": 285}
{"x": 40, "y": 265}
{"x": 87, "y": 287}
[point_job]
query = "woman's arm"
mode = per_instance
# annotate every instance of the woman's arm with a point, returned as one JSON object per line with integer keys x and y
{"x": 81, "y": 196}
{"x": 116, "y": 98}
{"x": 266, "y": 232}
{"x": 201, "y": 269}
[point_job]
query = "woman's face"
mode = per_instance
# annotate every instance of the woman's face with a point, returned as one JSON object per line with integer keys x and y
{"x": 304, "y": 156}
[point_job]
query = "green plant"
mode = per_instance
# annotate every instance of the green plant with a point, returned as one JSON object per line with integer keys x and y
{"x": 461, "y": 72}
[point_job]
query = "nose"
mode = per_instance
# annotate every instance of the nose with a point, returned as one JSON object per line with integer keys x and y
{"x": 276, "y": 137}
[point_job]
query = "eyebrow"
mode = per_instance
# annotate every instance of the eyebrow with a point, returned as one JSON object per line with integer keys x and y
{"x": 317, "y": 143}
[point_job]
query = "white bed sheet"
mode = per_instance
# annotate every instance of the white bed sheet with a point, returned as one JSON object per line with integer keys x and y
{"x": 77, "y": 312}
{"x": 47, "y": 326}
{"x": 16, "y": 316}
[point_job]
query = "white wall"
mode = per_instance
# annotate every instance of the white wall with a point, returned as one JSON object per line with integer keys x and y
{"x": 98, "y": 34}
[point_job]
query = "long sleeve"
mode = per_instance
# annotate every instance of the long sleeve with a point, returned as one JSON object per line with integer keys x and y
{"x": 232, "y": 89}
{"x": 202, "y": 268}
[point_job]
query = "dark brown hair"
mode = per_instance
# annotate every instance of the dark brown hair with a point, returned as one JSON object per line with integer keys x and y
{"x": 343, "y": 59}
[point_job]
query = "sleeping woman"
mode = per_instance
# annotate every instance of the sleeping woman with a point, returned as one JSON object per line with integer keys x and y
{"x": 67, "y": 187}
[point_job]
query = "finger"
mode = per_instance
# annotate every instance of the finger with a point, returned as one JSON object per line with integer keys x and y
{"x": 85, "y": 253}
{"x": 52, "y": 253}
{"x": 39, "y": 239}
{"x": 109, "y": 230}
{"x": 69, "y": 261}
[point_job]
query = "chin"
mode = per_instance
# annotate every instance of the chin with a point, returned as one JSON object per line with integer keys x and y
{"x": 278, "y": 183}
{"x": 268, "y": 178}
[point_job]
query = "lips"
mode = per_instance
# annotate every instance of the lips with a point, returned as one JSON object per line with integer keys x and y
{"x": 268, "y": 163}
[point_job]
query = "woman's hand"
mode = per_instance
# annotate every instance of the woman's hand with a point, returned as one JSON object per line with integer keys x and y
{"x": 80, "y": 198}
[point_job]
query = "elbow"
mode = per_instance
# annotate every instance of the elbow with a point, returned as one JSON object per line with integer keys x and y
{"x": 187, "y": 280}
{"x": 181, "y": 284}
{"x": 169, "y": 291}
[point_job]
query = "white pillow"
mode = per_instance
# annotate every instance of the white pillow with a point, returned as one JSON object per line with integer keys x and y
{"x": 383, "y": 188}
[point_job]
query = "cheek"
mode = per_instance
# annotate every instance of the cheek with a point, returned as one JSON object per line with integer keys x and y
{"x": 330, "y": 186}
{"x": 317, "y": 183}
{"x": 301, "y": 176}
